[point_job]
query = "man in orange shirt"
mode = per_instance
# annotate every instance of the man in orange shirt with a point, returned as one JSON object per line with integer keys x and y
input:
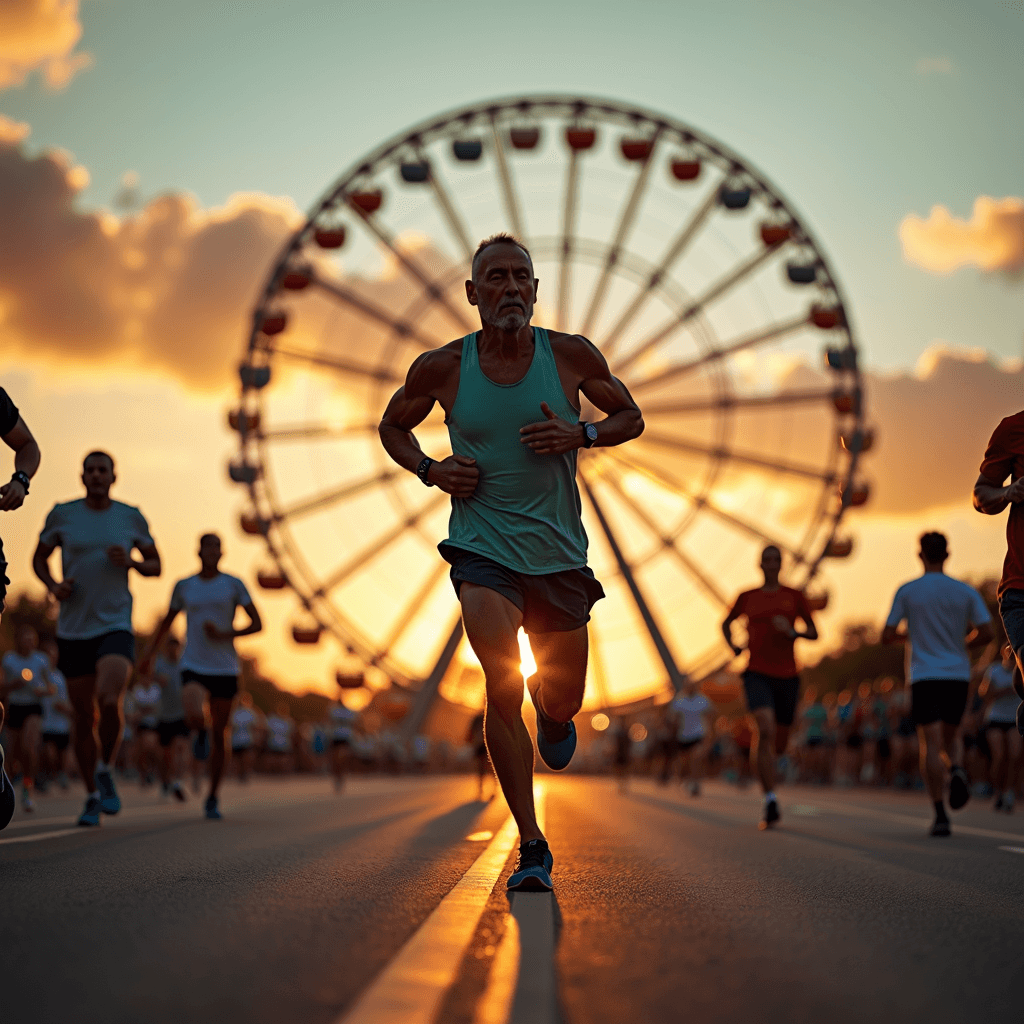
{"x": 771, "y": 681}
{"x": 1004, "y": 458}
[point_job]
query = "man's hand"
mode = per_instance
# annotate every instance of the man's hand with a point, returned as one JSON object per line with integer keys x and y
{"x": 783, "y": 625}
{"x": 63, "y": 590}
{"x": 1014, "y": 493}
{"x": 119, "y": 556}
{"x": 736, "y": 649}
{"x": 552, "y": 436}
{"x": 215, "y": 633}
{"x": 457, "y": 475}
{"x": 12, "y": 496}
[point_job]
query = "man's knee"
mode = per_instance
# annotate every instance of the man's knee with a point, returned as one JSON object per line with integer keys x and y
{"x": 765, "y": 720}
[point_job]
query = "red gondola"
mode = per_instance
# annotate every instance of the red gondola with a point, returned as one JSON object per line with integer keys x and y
{"x": 825, "y": 318}
{"x": 367, "y": 202}
{"x": 350, "y": 681}
{"x": 253, "y": 524}
{"x": 524, "y": 138}
{"x": 775, "y": 234}
{"x": 817, "y": 602}
{"x": 838, "y": 547}
{"x": 306, "y": 634}
{"x": 685, "y": 170}
{"x": 845, "y": 401}
{"x": 636, "y": 149}
{"x": 270, "y": 579}
{"x": 274, "y": 321}
{"x": 858, "y": 440}
{"x": 242, "y": 421}
{"x": 331, "y": 237}
{"x": 580, "y": 138}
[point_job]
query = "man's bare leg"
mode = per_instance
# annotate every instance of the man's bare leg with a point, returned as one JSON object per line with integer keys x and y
{"x": 492, "y": 624}
{"x": 220, "y": 712}
{"x": 112, "y": 672}
{"x": 82, "y": 694}
{"x": 933, "y": 768}
{"x": 561, "y": 672}
{"x": 764, "y": 758}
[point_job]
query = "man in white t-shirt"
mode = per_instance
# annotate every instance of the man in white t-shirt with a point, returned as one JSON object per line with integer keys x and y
{"x": 686, "y": 715}
{"x": 96, "y": 536}
{"x": 209, "y": 664}
{"x": 944, "y": 618}
{"x": 246, "y": 727}
{"x": 57, "y": 715}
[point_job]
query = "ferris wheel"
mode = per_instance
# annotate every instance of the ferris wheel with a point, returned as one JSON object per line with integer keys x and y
{"x": 697, "y": 279}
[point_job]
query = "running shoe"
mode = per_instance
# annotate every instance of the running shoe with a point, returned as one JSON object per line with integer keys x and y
{"x": 998, "y": 805}
{"x": 177, "y": 792}
{"x": 941, "y": 827}
{"x": 1008, "y": 801}
{"x": 556, "y": 741}
{"x": 91, "y": 814}
{"x": 771, "y": 814}
{"x": 959, "y": 788}
{"x": 27, "y": 803}
{"x": 533, "y": 868}
{"x": 8, "y": 800}
{"x": 110, "y": 802}
{"x": 201, "y": 745}
{"x": 210, "y": 809}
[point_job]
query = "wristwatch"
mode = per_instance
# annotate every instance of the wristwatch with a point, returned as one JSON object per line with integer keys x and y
{"x": 589, "y": 434}
{"x": 22, "y": 479}
{"x": 424, "y": 468}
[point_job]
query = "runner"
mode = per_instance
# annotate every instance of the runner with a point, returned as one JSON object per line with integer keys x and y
{"x": 246, "y": 724}
{"x": 280, "y": 733}
{"x": 815, "y": 754}
{"x": 147, "y": 707}
{"x": 96, "y": 536}
{"x": 209, "y": 664}
{"x": 26, "y": 681}
{"x": 944, "y": 618}
{"x": 57, "y": 715}
{"x": 172, "y": 730}
{"x": 475, "y": 738}
{"x": 1004, "y": 458}
{"x": 771, "y": 681}
{"x": 19, "y": 439}
{"x": 1000, "y": 721}
{"x": 622, "y": 752}
{"x": 688, "y": 714}
{"x": 516, "y": 544}
{"x": 341, "y": 728}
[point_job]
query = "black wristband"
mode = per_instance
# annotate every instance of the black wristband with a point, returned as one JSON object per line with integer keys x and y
{"x": 22, "y": 479}
{"x": 424, "y": 468}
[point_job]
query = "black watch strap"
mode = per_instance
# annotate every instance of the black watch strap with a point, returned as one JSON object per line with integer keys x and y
{"x": 424, "y": 468}
{"x": 22, "y": 479}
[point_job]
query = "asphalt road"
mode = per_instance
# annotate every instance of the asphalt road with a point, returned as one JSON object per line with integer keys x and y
{"x": 303, "y": 905}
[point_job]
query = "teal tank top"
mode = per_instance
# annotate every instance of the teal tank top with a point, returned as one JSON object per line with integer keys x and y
{"x": 525, "y": 512}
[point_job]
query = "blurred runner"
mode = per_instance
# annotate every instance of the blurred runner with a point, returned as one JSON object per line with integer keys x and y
{"x": 57, "y": 715}
{"x": 622, "y": 751}
{"x": 475, "y": 738}
{"x": 516, "y": 543}
{"x": 1000, "y": 728}
{"x": 96, "y": 536}
{"x": 688, "y": 715}
{"x": 341, "y": 728}
{"x": 147, "y": 694}
{"x": 245, "y": 723}
{"x": 1004, "y": 458}
{"x": 814, "y": 718}
{"x": 280, "y": 738}
{"x": 26, "y": 681}
{"x": 209, "y": 664}
{"x": 771, "y": 681}
{"x": 944, "y": 617}
{"x": 172, "y": 730}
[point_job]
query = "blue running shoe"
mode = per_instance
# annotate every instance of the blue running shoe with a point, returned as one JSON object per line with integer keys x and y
{"x": 201, "y": 745}
{"x": 91, "y": 814}
{"x": 110, "y": 802}
{"x": 7, "y": 797}
{"x": 211, "y": 810}
{"x": 533, "y": 868}
{"x": 556, "y": 741}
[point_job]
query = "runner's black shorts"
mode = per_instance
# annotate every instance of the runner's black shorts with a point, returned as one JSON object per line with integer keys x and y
{"x": 79, "y": 657}
{"x": 168, "y": 730}
{"x": 59, "y": 739}
{"x": 219, "y": 687}
{"x": 937, "y": 700}
{"x": 773, "y": 692}
{"x": 554, "y": 602}
{"x": 18, "y": 714}
{"x": 685, "y": 745}
{"x": 242, "y": 748}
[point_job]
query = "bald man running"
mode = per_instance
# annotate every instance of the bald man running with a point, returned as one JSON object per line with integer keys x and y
{"x": 516, "y": 544}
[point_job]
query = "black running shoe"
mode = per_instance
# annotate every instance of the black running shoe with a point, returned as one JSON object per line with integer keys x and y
{"x": 941, "y": 827}
{"x": 533, "y": 868}
{"x": 771, "y": 814}
{"x": 959, "y": 788}
{"x": 91, "y": 815}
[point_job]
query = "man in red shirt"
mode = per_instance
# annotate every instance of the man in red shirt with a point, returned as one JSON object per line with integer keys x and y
{"x": 1004, "y": 458}
{"x": 771, "y": 681}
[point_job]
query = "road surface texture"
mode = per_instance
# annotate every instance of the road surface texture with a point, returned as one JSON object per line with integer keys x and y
{"x": 386, "y": 904}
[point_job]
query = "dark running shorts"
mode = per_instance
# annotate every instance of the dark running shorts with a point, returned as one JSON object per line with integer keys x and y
{"x": 772, "y": 692}
{"x": 685, "y": 745}
{"x": 854, "y": 741}
{"x": 219, "y": 687}
{"x": 1001, "y": 726}
{"x": 1011, "y": 611}
{"x": 340, "y": 743}
{"x": 79, "y": 657}
{"x": 242, "y": 748}
{"x": 883, "y": 748}
{"x": 168, "y": 730}
{"x": 937, "y": 700}
{"x": 814, "y": 741}
{"x": 59, "y": 739}
{"x": 554, "y": 602}
{"x": 18, "y": 714}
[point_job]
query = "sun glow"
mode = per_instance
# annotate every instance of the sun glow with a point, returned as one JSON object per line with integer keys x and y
{"x": 527, "y": 665}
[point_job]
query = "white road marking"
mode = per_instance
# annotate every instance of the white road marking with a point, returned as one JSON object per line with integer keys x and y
{"x": 44, "y": 835}
{"x": 410, "y": 989}
{"x": 1012, "y": 849}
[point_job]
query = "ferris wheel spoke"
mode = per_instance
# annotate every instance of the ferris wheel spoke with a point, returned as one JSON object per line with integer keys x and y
{"x": 626, "y": 219}
{"x": 329, "y": 432}
{"x": 715, "y": 291}
{"x": 744, "y": 458}
{"x": 340, "y": 365}
{"x": 378, "y": 546}
{"x": 572, "y": 175}
{"x": 429, "y": 284}
{"x": 780, "y": 398}
{"x": 333, "y": 497}
{"x": 771, "y": 333}
{"x": 450, "y": 214}
{"x": 672, "y": 483}
{"x": 672, "y": 254}
{"x": 669, "y": 542}
{"x": 508, "y": 191}
{"x": 408, "y": 613}
{"x": 657, "y": 638}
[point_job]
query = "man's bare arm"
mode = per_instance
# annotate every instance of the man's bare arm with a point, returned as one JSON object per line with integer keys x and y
{"x": 41, "y": 567}
{"x": 26, "y": 460}
{"x": 727, "y": 632}
{"x": 990, "y": 497}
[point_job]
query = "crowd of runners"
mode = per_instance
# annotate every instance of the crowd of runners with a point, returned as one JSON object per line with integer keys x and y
{"x": 512, "y": 397}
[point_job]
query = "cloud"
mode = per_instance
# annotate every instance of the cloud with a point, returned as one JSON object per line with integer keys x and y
{"x": 40, "y": 35}
{"x": 934, "y": 66}
{"x": 993, "y": 239}
{"x": 168, "y": 288}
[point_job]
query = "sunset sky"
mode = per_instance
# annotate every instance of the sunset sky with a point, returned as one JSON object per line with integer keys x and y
{"x": 894, "y": 130}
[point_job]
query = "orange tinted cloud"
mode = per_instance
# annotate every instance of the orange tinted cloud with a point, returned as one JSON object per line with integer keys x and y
{"x": 40, "y": 35}
{"x": 169, "y": 288}
{"x": 993, "y": 239}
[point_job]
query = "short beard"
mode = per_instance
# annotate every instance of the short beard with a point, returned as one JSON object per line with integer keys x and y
{"x": 508, "y": 321}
